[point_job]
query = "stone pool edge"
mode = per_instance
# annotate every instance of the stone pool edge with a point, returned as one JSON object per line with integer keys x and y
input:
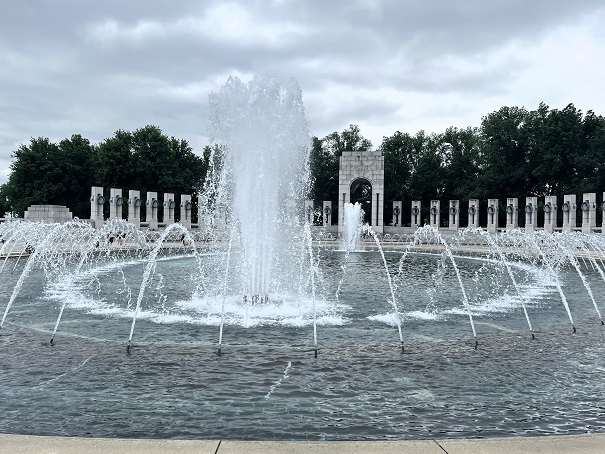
{"x": 552, "y": 444}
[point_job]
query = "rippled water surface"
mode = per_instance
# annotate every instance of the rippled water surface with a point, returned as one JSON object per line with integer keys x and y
{"x": 268, "y": 385}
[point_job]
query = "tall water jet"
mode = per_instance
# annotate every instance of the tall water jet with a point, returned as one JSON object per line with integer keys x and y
{"x": 258, "y": 176}
{"x": 352, "y": 221}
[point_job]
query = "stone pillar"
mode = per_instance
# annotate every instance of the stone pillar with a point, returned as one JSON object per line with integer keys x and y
{"x": 492, "y": 215}
{"x": 512, "y": 213}
{"x": 169, "y": 208}
{"x": 327, "y": 213}
{"x": 202, "y": 222}
{"x": 115, "y": 203}
{"x": 531, "y": 213}
{"x": 550, "y": 213}
{"x": 97, "y": 201}
{"x": 397, "y": 214}
{"x": 416, "y": 219}
{"x": 186, "y": 210}
{"x": 342, "y": 200}
{"x": 434, "y": 213}
{"x": 134, "y": 207}
{"x": 378, "y": 208}
{"x": 309, "y": 211}
{"x": 569, "y": 212}
{"x": 151, "y": 217}
{"x": 221, "y": 217}
{"x": 589, "y": 212}
{"x": 603, "y": 209}
{"x": 454, "y": 215}
{"x": 473, "y": 213}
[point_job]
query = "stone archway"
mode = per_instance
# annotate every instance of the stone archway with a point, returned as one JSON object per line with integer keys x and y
{"x": 361, "y": 179}
{"x": 361, "y": 192}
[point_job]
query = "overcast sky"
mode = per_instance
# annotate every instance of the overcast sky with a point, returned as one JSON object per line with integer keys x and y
{"x": 90, "y": 68}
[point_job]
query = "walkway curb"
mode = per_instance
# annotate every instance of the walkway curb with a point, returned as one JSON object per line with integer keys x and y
{"x": 554, "y": 444}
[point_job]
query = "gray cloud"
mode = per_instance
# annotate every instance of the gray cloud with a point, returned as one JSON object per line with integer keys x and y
{"x": 93, "y": 67}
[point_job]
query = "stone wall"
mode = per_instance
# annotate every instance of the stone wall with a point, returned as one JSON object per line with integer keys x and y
{"x": 48, "y": 213}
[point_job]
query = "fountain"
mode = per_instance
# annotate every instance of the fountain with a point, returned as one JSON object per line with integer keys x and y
{"x": 352, "y": 222}
{"x": 254, "y": 287}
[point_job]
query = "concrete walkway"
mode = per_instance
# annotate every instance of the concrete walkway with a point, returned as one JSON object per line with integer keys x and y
{"x": 576, "y": 444}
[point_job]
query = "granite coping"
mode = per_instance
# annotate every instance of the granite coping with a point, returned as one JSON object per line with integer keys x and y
{"x": 554, "y": 444}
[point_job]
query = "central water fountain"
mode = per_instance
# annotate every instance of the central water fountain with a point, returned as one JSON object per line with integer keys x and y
{"x": 503, "y": 332}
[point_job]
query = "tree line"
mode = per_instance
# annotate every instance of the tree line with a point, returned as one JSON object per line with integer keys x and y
{"x": 43, "y": 172}
{"x": 515, "y": 152}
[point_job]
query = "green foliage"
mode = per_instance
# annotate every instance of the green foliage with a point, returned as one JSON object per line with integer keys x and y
{"x": 324, "y": 162}
{"x": 4, "y": 205}
{"x": 47, "y": 173}
{"x": 348, "y": 140}
{"x": 514, "y": 153}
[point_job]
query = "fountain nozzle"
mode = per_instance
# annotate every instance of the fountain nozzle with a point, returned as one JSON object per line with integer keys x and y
{"x": 402, "y": 348}
{"x": 602, "y": 322}
{"x": 128, "y": 348}
{"x": 574, "y": 328}
{"x": 476, "y": 343}
{"x": 219, "y": 353}
{"x": 52, "y": 340}
{"x": 533, "y": 336}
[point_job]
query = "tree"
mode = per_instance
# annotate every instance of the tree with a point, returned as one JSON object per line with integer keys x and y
{"x": 148, "y": 160}
{"x": 35, "y": 178}
{"x": 401, "y": 152}
{"x": 4, "y": 205}
{"x": 324, "y": 171}
{"x": 555, "y": 138}
{"x": 348, "y": 140}
{"x": 505, "y": 170}
{"x": 461, "y": 153}
{"x": 428, "y": 175}
{"x": 76, "y": 157}
{"x": 49, "y": 173}
{"x": 589, "y": 162}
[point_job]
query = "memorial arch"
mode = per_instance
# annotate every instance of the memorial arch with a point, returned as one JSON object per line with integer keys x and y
{"x": 361, "y": 179}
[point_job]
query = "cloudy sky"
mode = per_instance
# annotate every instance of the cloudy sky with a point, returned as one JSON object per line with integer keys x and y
{"x": 82, "y": 67}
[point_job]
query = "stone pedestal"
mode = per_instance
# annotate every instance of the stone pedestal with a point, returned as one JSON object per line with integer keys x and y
{"x": 97, "y": 201}
{"x": 151, "y": 217}
{"x": 169, "y": 208}
{"x": 569, "y": 209}
{"x": 327, "y": 213}
{"x": 473, "y": 213}
{"x": 531, "y": 213}
{"x": 134, "y": 207}
{"x": 434, "y": 213}
{"x": 512, "y": 213}
{"x": 589, "y": 212}
{"x": 550, "y": 213}
{"x": 416, "y": 219}
{"x": 454, "y": 215}
{"x": 48, "y": 213}
{"x": 397, "y": 214}
{"x": 186, "y": 210}
{"x": 492, "y": 215}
